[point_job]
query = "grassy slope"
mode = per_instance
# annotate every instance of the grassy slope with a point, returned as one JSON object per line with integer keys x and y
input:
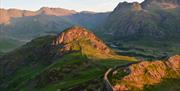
{"x": 72, "y": 75}
{"x": 8, "y": 44}
{"x": 76, "y": 69}
{"x": 32, "y": 55}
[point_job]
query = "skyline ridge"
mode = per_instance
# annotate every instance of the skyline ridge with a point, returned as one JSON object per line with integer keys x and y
{"x": 79, "y": 5}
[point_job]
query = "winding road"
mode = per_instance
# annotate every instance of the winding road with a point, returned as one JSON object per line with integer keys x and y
{"x": 108, "y": 85}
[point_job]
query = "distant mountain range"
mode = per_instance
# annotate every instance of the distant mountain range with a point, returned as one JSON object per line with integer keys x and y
{"x": 129, "y": 23}
{"x": 8, "y": 14}
{"x": 20, "y": 26}
{"x": 23, "y": 24}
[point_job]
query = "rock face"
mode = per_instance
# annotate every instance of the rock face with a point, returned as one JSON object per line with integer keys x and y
{"x": 136, "y": 6}
{"x": 125, "y": 6}
{"x": 78, "y": 38}
{"x": 149, "y": 73}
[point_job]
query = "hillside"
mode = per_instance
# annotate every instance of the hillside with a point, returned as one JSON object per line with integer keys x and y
{"x": 80, "y": 39}
{"x": 149, "y": 76}
{"x": 136, "y": 20}
{"x": 19, "y": 23}
{"x": 65, "y": 62}
{"x": 150, "y": 25}
{"x": 7, "y": 44}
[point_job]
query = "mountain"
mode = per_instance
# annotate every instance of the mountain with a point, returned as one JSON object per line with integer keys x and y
{"x": 149, "y": 25}
{"x": 73, "y": 57}
{"x": 45, "y": 20}
{"x": 150, "y": 76}
{"x": 78, "y": 38}
{"x": 7, "y": 15}
{"x": 21, "y": 27}
{"x": 24, "y": 25}
{"x": 134, "y": 20}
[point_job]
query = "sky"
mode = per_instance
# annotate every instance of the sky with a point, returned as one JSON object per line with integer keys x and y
{"x": 78, "y": 5}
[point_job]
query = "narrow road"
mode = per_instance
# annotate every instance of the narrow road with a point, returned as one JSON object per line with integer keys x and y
{"x": 108, "y": 85}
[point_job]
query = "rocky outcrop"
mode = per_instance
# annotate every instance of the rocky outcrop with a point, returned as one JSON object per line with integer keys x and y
{"x": 149, "y": 73}
{"x": 78, "y": 38}
{"x": 174, "y": 63}
{"x": 125, "y": 7}
{"x": 136, "y": 6}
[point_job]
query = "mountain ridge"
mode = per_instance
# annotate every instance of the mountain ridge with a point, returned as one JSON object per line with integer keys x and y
{"x": 149, "y": 73}
{"x": 7, "y": 14}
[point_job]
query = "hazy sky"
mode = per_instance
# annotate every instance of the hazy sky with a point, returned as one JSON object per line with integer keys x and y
{"x": 78, "y": 5}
